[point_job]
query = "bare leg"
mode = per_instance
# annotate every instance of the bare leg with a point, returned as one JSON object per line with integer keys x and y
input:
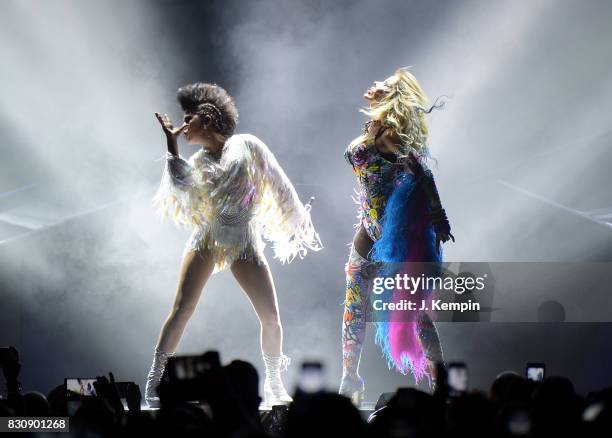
{"x": 196, "y": 269}
{"x": 257, "y": 283}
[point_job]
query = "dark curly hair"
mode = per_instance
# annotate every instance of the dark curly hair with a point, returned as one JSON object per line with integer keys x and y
{"x": 210, "y": 100}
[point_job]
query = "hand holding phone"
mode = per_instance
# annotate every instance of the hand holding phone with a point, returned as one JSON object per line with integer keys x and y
{"x": 457, "y": 377}
{"x": 535, "y": 371}
{"x": 312, "y": 377}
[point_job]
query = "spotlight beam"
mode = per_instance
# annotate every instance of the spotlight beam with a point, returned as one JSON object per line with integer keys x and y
{"x": 585, "y": 215}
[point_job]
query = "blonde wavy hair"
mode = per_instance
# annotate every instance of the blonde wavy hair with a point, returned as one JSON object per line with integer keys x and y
{"x": 403, "y": 109}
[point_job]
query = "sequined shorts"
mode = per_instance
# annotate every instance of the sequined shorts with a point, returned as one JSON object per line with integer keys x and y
{"x": 249, "y": 248}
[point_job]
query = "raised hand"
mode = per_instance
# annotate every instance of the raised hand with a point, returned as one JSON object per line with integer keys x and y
{"x": 168, "y": 127}
{"x": 171, "y": 132}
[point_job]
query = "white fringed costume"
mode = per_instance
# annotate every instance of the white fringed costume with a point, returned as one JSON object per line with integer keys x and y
{"x": 231, "y": 202}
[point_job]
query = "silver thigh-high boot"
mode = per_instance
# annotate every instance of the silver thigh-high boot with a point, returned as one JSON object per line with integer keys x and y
{"x": 160, "y": 359}
{"x": 274, "y": 390}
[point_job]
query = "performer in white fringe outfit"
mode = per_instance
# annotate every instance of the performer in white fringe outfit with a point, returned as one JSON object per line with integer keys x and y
{"x": 230, "y": 193}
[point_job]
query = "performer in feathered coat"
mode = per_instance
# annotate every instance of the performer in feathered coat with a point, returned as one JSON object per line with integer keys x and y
{"x": 401, "y": 225}
{"x": 230, "y": 193}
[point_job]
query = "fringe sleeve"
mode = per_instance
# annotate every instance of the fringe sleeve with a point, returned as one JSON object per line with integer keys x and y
{"x": 284, "y": 220}
{"x": 181, "y": 193}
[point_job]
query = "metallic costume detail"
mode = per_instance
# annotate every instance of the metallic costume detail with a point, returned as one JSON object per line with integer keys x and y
{"x": 274, "y": 390}
{"x": 160, "y": 359}
{"x": 232, "y": 202}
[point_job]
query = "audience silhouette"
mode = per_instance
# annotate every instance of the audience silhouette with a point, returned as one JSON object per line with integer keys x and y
{"x": 223, "y": 401}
